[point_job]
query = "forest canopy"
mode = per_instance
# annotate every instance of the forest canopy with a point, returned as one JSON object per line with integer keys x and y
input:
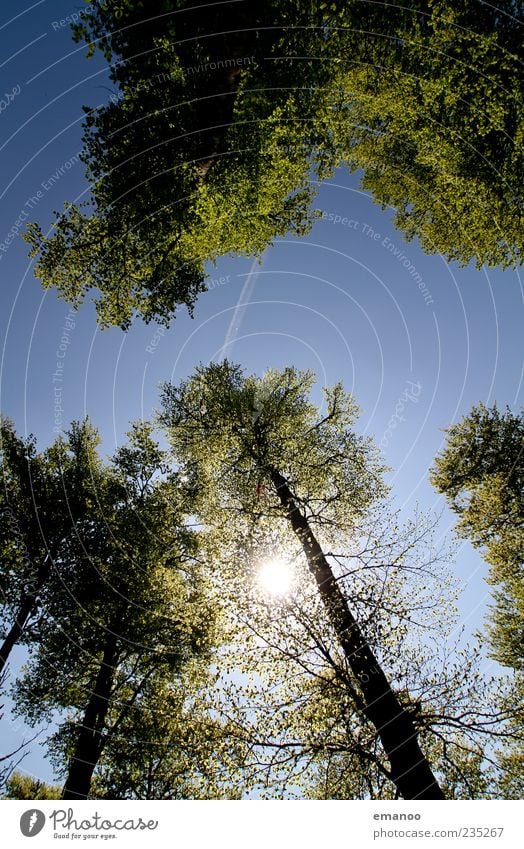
{"x": 232, "y": 605}
{"x": 243, "y": 612}
{"x": 220, "y": 122}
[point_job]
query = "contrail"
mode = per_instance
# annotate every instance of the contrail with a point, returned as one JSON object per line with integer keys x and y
{"x": 240, "y": 309}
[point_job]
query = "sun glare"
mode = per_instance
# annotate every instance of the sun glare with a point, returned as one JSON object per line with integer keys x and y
{"x": 275, "y": 577}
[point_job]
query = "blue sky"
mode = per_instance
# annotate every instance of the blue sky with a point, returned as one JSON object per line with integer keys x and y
{"x": 410, "y": 334}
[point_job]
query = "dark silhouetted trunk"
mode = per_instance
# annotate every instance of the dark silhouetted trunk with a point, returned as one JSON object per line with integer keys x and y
{"x": 91, "y": 737}
{"x": 28, "y": 605}
{"x": 17, "y": 629}
{"x": 410, "y": 770}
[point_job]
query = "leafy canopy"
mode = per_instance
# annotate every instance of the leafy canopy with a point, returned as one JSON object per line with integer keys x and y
{"x": 44, "y": 497}
{"x": 222, "y": 114}
{"x": 126, "y": 608}
{"x": 298, "y": 705}
{"x": 481, "y": 473}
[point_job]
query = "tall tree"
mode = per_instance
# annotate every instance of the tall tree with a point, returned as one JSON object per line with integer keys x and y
{"x": 43, "y": 496}
{"x": 222, "y": 113}
{"x": 481, "y": 473}
{"x": 293, "y": 698}
{"x": 259, "y": 447}
{"x": 127, "y": 610}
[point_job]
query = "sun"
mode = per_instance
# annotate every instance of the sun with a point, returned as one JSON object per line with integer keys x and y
{"x": 275, "y": 576}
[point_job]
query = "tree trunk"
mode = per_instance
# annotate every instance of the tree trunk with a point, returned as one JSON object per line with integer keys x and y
{"x": 90, "y": 741}
{"x": 17, "y": 629}
{"x": 27, "y": 606}
{"x": 410, "y": 770}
